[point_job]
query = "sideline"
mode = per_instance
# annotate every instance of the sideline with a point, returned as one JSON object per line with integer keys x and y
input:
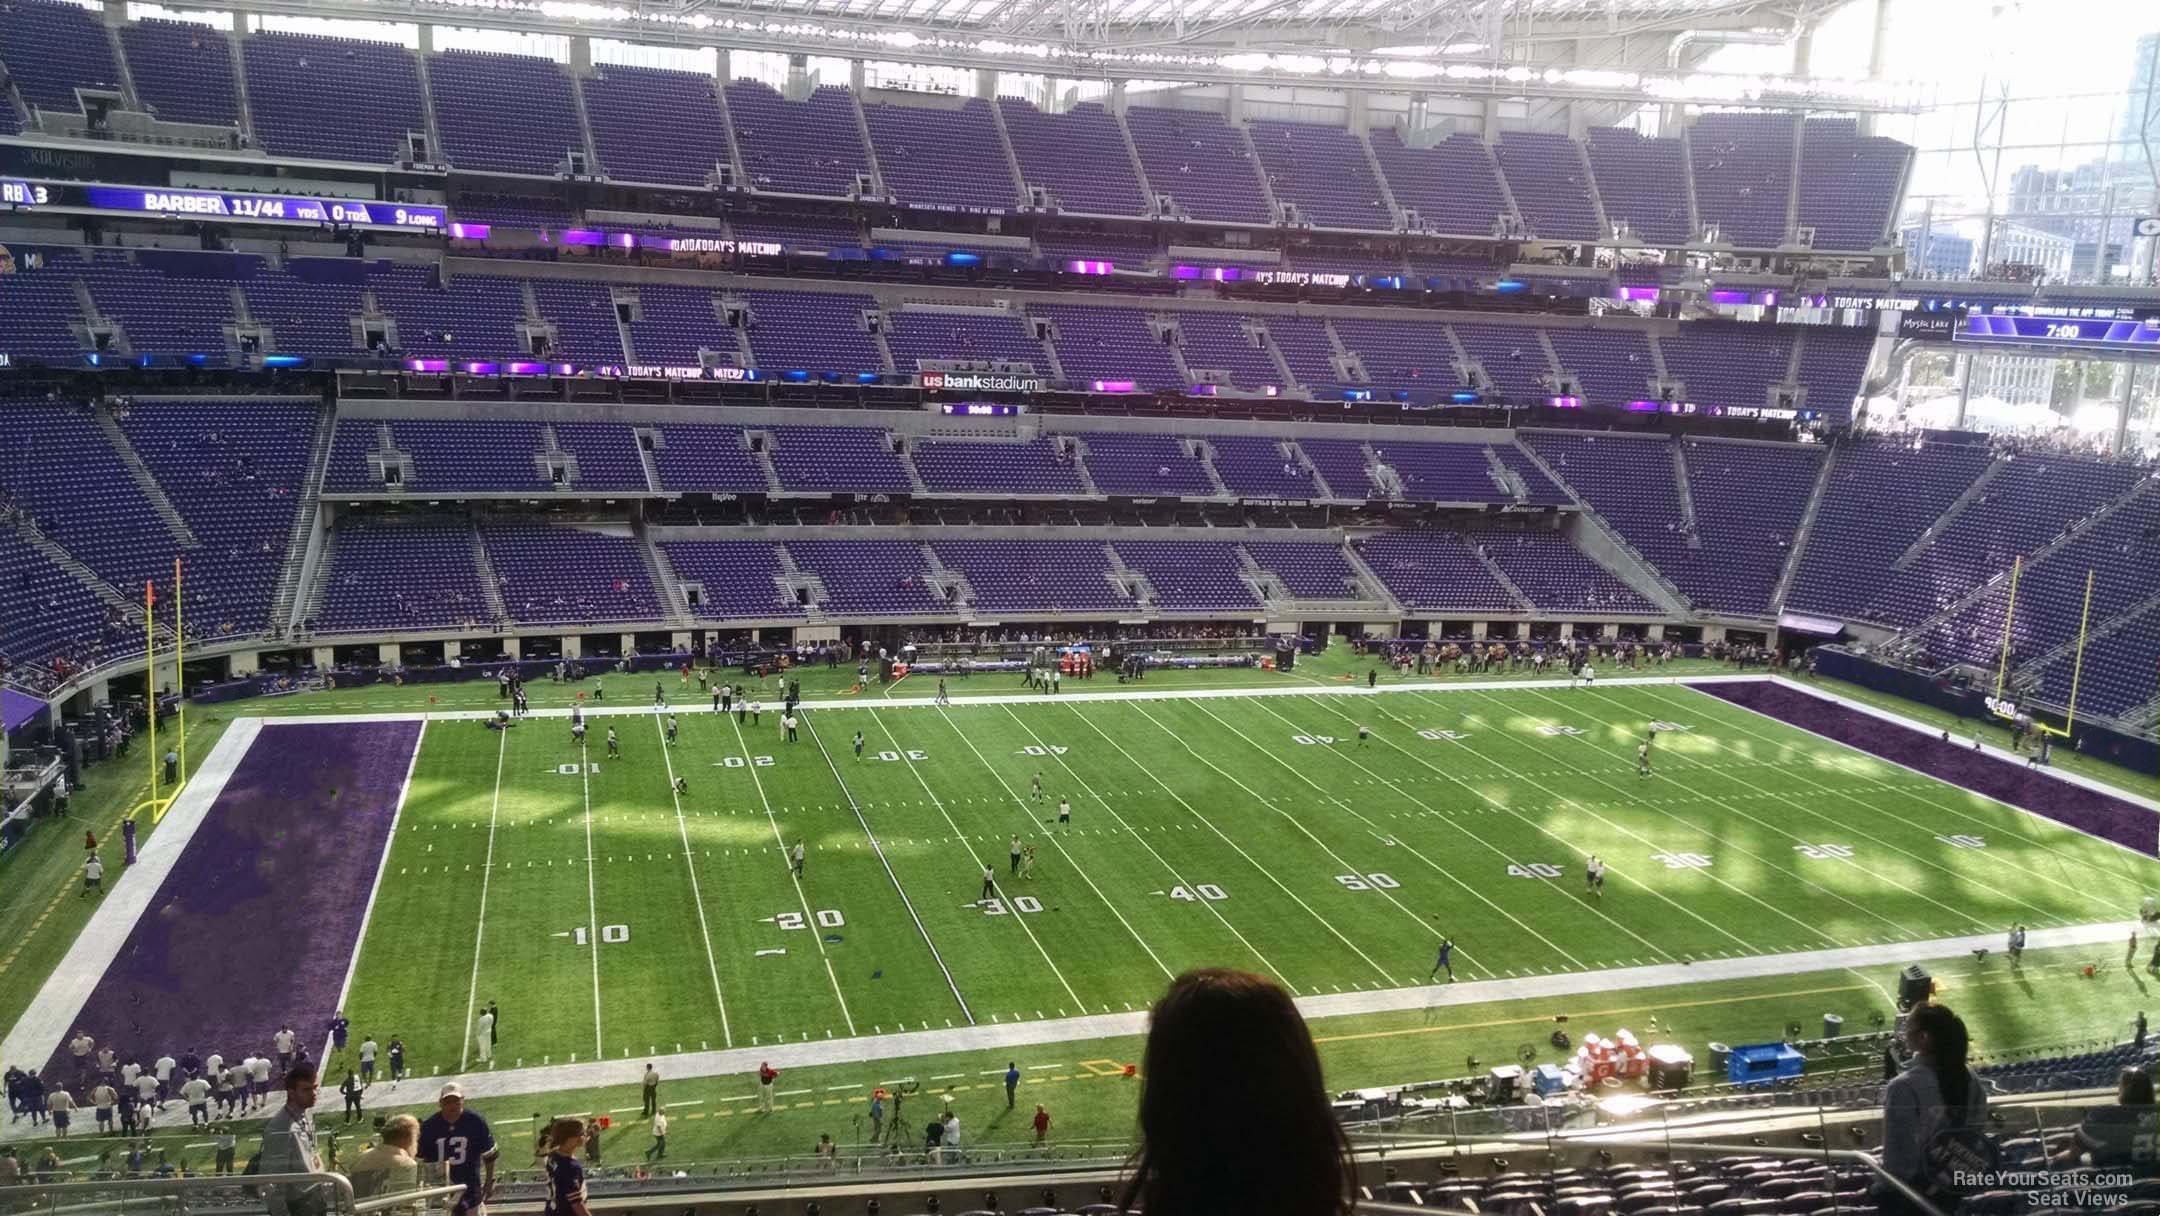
{"x": 44, "y": 1026}
{"x": 995, "y": 1038}
{"x": 694, "y": 707}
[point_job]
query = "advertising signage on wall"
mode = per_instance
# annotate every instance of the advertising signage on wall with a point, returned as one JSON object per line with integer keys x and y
{"x": 983, "y": 382}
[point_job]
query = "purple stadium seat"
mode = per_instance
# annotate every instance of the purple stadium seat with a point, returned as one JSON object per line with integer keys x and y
{"x": 51, "y": 49}
{"x": 1199, "y": 159}
{"x": 300, "y": 88}
{"x": 1643, "y": 183}
{"x": 182, "y": 70}
{"x": 1324, "y": 172}
{"x": 1551, "y": 183}
{"x": 811, "y": 147}
{"x": 653, "y": 125}
{"x": 1451, "y": 185}
{"x": 871, "y": 577}
{"x": 369, "y": 585}
{"x": 1079, "y": 156}
{"x": 1743, "y": 175}
{"x": 534, "y": 135}
{"x": 941, "y": 159}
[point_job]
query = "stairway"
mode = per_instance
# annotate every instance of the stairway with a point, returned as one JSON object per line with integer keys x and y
{"x": 1132, "y": 152}
{"x": 1298, "y": 456}
{"x": 2032, "y": 559}
{"x": 652, "y": 469}
{"x": 1206, "y": 453}
{"x": 763, "y": 457}
{"x": 1387, "y": 193}
{"x": 1079, "y": 463}
{"x": 727, "y": 124}
{"x": 914, "y": 475}
{"x": 1687, "y": 178}
{"x": 1597, "y": 197}
{"x": 1507, "y": 192}
{"x": 240, "y": 86}
{"x": 1686, "y": 494}
{"x": 1950, "y": 515}
{"x": 436, "y": 152}
{"x": 112, "y": 596}
{"x": 1012, "y": 158}
{"x": 2114, "y": 624}
{"x": 297, "y": 568}
{"x": 862, "y": 131}
{"x": 1807, "y": 529}
{"x": 1500, "y": 576}
{"x": 664, "y": 579}
{"x": 151, "y": 490}
{"x": 584, "y": 126}
{"x": 1626, "y": 558}
{"x": 127, "y": 73}
{"x": 1506, "y": 479}
{"x": 1552, "y": 359}
{"x": 490, "y": 582}
{"x": 309, "y": 607}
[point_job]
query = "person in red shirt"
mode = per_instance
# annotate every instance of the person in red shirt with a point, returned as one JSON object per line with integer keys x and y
{"x": 1042, "y": 1123}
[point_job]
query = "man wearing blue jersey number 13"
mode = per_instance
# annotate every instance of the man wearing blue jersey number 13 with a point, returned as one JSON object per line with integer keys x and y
{"x": 459, "y": 1140}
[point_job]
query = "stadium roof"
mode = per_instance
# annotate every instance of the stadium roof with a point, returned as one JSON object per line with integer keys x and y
{"x": 1357, "y": 22}
{"x": 1565, "y": 50}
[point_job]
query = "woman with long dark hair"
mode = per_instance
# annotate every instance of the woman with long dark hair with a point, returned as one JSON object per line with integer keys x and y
{"x": 1234, "y": 1116}
{"x": 1936, "y": 1093}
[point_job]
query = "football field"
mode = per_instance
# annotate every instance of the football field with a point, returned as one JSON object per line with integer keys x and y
{"x": 610, "y": 917}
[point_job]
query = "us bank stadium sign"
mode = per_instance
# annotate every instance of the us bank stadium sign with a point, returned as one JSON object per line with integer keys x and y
{"x": 983, "y": 382}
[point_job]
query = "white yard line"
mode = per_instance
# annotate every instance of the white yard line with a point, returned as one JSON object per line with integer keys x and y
{"x": 1542, "y": 830}
{"x": 1986, "y": 749}
{"x": 592, "y": 898}
{"x": 1800, "y": 774}
{"x": 67, "y": 989}
{"x": 487, "y": 871}
{"x": 1436, "y": 867}
{"x": 1964, "y": 919}
{"x": 2082, "y": 782}
{"x": 1646, "y": 842}
{"x": 810, "y": 725}
{"x": 397, "y": 814}
{"x": 1620, "y": 925}
{"x": 1052, "y": 837}
{"x": 1254, "y": 862}
{"x": 801, "y": 898}
{"x": 1000, "y": 1037}
{"x": 682, "y": 826}
{"x": 1285, "y": 816}
{"x": 1179, "y": 879}
{"x": 1063, "y": 698}
{"x": 960, "y": 837}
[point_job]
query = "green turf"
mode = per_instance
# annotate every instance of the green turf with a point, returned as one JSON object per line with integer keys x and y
{"x": 2047, "y": 1001}
{"x": 1330, "y": 865}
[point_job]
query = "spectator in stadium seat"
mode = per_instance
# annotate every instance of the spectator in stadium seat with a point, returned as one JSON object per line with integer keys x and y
{"x": 1936, "y": 1093}
{"x": 389, "y": 1167}
{"x": 1224, "y": 1041}
{"x": 2122, "y": 1134}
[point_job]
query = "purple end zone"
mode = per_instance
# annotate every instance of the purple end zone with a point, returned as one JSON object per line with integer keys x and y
{"x": 2006, "y": 781}
{"x": 255, "y": 925}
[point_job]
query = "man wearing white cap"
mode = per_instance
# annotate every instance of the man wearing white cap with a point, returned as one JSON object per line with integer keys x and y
{"x": 460, "y": 1141}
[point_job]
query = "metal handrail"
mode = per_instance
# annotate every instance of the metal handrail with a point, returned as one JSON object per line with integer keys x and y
{"x": 48, "y": 1198}
{"x": 1825, "y": 1153}
{"x": 405, "y": 1199}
